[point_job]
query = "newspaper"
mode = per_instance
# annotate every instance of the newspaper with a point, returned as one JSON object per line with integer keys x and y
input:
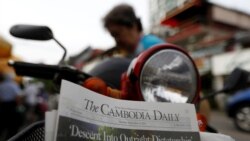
{"x": 86, "y": 115}
{"x": 49, "y": 136}
{"x": 50, "y": 124}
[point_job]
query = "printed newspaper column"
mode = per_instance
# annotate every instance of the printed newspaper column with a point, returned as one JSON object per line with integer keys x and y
{"x": 86, "y": 115}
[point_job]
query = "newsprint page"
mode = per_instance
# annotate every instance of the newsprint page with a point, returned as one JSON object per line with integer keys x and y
{"x": 84, "y": 115}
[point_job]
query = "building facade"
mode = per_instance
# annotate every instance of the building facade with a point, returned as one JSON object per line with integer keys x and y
{"x": 201, "y": 27}
{"x": 207, "y": 31}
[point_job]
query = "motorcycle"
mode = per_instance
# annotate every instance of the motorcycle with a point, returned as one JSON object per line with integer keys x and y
{"x": 163, "y": 73}
{"x": 164, "y": 68}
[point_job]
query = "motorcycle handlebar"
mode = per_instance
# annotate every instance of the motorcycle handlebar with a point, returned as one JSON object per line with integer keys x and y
{"x": 52, "y": 72}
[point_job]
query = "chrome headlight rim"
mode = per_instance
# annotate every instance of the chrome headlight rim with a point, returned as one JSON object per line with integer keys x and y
{"x": 144, "y": 57}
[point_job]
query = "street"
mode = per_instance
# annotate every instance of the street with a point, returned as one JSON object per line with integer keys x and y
{"x": 225, "y": 125}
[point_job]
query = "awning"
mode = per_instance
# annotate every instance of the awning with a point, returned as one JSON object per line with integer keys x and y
{"x": 172, "y": 19}
{"x": 185, "y": 33}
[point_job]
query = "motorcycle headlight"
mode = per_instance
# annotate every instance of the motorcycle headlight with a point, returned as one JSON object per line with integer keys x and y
{"x": 166, "y": 73}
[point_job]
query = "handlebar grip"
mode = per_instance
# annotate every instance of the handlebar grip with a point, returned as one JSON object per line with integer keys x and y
{"x": 34, "y": 70}
{"x": 51, "y": 72}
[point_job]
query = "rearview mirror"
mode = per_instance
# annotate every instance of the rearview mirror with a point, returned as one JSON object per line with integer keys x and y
{"x": 35, "y": 32}
{"x": 32, "y": 32}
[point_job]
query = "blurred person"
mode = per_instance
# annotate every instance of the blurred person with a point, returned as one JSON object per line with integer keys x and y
{"x": 53, "y": 99}
{"x": 10, "y": 119}
{"x": 126, "y": 29}
{"x": 42, "y": 105}
{"x": 35, "y": 99}
{"x": 30, "y": 93}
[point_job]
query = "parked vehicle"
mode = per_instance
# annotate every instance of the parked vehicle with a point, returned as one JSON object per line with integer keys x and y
{"x": 238, "y": 108}
{"x": 238, "y": 105}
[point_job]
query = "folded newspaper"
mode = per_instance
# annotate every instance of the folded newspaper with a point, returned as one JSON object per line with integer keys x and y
{"x": 86, "y": 115}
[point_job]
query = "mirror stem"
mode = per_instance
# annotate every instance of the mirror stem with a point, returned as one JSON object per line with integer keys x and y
{"x": 64, "y": 49}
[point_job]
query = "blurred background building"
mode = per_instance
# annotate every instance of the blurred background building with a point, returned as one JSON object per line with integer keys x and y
{"x": 216, "y": 36}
